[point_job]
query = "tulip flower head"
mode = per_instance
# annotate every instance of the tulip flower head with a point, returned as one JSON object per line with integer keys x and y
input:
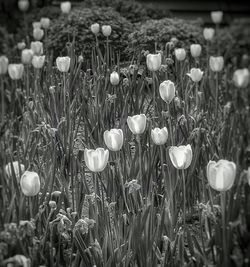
{"x": 17, "y": 167}
{"x": 217, "y": 17}
{"x": 63, "y": 64}
{"x": 4, "y": 62}
{"x": 45, "y": 23}
{"x": 21, "y": 45}
{"x": 30, "y": 183}
{"x": 38, "y": 61}
{"x": 137, "y": 123}
{"x": 167, "y": 91}
{"x": 159, "y": 136}
{"x": 27, "y": 55}
{"x": 195, "y": 50}
{"x": 37, "y": 48}
{"x": 36, "y": 25}
{"x": 15, "y": 71}
{"x": 216, "y": 63}
{"x": 241, "y": 78}
{"x": 106, "y": 30}
{"x": 180, "y": 54}
{"x": 23, "y": 5}
{"x": 154, "y": 61}
{"x": 114, "y": 78}
{"x": 38, "y": 34}
{"x": 96, "y": 160}
{"x": 221, "y": 174}
{"x": 195, "y": 74}
{"x": 208, "y": 34}
{"x": 113, "y": 139}
{"x": 181, "y": 156}
{"x": 65, "y": 7}
{"x": 95, "y": 28}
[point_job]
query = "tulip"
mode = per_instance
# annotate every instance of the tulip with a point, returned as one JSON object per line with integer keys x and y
{"x": 195, "y": 50}
{"x": 38, "y": 34}
{"x": 241, "y": 78}
{"x": 65, "y": 7}
{"x": 4, "y": 62}
{"x": 181, "y": 156}
{"x": 216, "y": 17}
{"x": 23, "y": 5}
{"x": 106, "y": 30}
{"x": 95, "y": 28}
{"x": 21, "y": 45}
{"x": 37, "y": 48}
{"x": 114, "y": 78}
{"x": 38, "y": 61}
{"x": 17, "y": 167}
{"x": 96, "y": 160}
{"x": 221, "y": 174}
{"x": 180, "y": 54}
{"x": 208, "y": 34}
{"x": 154, "y": 61}
{"x": 159, "y": 136}
{"x": 63, "y": 64}
{"x": 167, "y": 91}
{"x": 113, "y": 139}
{"x": 137, "y": 123}
{"x": 36, "y": 25}
{"x": 195, "y": 74}
{"x": 30, "y": 183}
{"x": 15, "y": 71}
{"x": 216, "y": 63}
{"x": 45, "y": 23}
{"x": 27, "y": 55}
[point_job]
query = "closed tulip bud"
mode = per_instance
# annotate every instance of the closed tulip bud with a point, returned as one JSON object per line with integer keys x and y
{"x": 167, "y": 91}
{"x": 96, "y": 160}
{"x": 241, "y": 78}
{"x": 45, "y": 23}
{"x": 52, "y": 204}
{"x": 216, "y": 17}
{"x": 159, "y": 136}
{"x": 106, "y": 30}
{"x": 195, "y": 50}
{"x": 137, "y": 123}
{"x": 38, "y": 34}
{"x": 181, "y": 156}
{"x": 208, "y": 34}
{"x": 65, "y": 7}
{"x": 180, "y": 54}
{"x": 221, "y": 174}
{"x": 113, "y": 139}
{"x": 38, "y": 61}
{"x": 15, "y": 71}
{"x": 216, "y": 63}
{"x": 114, "y": 78}
{"x": 17, "y": 167}
{"x": 4, "y": 62}
{"x": 27, "y": 55}
{"x": 95, "y": 28}
{"x": 154, "y": 61}
{"x": 37, "y": 48}
{"x": 23, "y": 5}
{"x": 195, "y": 74}
{"x": 30, "y": 183}
{"x": 36, "y": 25}
{"x": 63, "y": 64}
{"x": 21, "y": 45}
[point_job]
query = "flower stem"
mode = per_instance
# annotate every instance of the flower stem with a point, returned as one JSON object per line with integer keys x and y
{"x": 170, "y": 124}
{"x": 184, "y": 199}
{"x": 140, "y": 164}
{"x": 224, "y": 230}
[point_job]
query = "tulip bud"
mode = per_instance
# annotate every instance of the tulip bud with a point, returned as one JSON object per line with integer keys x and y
{"x": 181, "y": 156}
{"x": 63, "y": 64}
{"x": 45, "y": 23}
{"x": 106, "y": 30}
{"x": 180, "y": 54}
{"x": 241, "y": 78}
{"x": 65, "y": 7}
{"x": 167, "y": 91}
{"x": 21, "y": 45}
{"x": 27, "y": 55}
{"x": 154, "y": 61}
{"x": 221, "y": 174}
{"x": 36, "y": 25}
{"x": 195, "y": 74}
{"x": 216, "y": 63}
{"x": 15, "y": 71}
{"x": 159, "y": 136}
{"x": 23, "y": 5}
{"x": 195, "y": 50}
{"x": 216, "y": 17}
{"x": 38, "y": 34}
{"x": 52, "y": 204}
{"x": 208, "y": 34}
{"x": 95, "y": 28}
{"x": 30, "y": 183}
{"x": 174, "y": 40}
{"x": 38, "y": 61}
{"x": 4, "y": 62}
{"x": 37, "y": 48}
{"x": 96, "y": 160}
{"x": 113, "y": 139}
{"x": 137, "y": 123}
{"x": 17, "y": 167}
{"x": 114, "y": 78}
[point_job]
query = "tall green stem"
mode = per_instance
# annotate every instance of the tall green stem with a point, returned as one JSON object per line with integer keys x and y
{"x": 224, "y": 230}
{"x": 184, "y": 199}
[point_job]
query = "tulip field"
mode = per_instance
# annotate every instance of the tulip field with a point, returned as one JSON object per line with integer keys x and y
{"x": 107, "y": 163}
